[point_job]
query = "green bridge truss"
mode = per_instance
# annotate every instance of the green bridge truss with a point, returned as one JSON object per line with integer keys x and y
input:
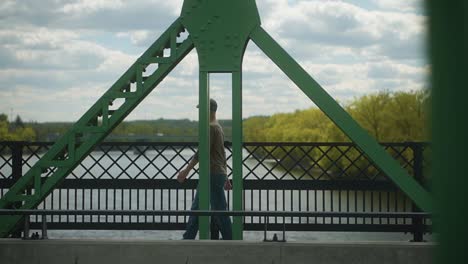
{"x": 220, "y": 31}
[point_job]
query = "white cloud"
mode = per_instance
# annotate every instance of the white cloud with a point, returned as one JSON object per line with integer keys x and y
{"x": 35, "y": 37}
{"x": 61, "y": 50}
{"x": 60, "y": 56}
{"x": 138, "y": 37}
{"x": 6, "y": 6}
{"x": 340, "y": 24}
{"x": 89, "y": 6}
{"x": 400, "y": 5}
{"x": 102, "y": 15}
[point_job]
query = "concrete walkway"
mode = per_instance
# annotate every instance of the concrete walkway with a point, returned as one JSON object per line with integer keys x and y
{"x": 14, "y": 251}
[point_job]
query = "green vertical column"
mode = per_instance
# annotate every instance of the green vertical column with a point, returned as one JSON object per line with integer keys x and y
{"x": 448, "y": 34}
{"x": 204, "y": 153}
{"x": 238, "y": 187}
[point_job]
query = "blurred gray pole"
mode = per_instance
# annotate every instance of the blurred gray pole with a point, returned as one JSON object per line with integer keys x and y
{"x": 448, "y": 29}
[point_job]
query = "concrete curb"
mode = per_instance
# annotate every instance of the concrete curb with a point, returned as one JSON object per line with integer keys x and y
{"x": 143, "y": 251}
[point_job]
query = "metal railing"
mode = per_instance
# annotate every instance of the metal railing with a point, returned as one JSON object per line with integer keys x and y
{"x": 266, "y": 216}
{"x": 288, "y": 177}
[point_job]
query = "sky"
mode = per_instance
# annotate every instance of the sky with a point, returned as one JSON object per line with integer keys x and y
{"x": 57, "y": 57}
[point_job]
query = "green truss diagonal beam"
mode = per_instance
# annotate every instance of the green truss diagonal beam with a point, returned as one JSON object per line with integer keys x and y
{"x": 129, "y": 90}
{"x": 342, "y": 119}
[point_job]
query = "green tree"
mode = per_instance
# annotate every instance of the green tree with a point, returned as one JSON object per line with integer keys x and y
{"x": 388, "y": 117}
{"x": 3, "y": 118}
{"x": 254, "y": 129}
{"x": 25, "y": 134}
{"x": 371, "y": 112}
{"x": 4, "y": 131}
{"x": 18, "y": 122}
{"x": 4, "y": 128}
{"x": 21, "y": 132}
{"x": 408, "y": 114}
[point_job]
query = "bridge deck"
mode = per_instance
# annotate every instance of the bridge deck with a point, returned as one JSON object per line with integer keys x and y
{"x": 206, "y": 252}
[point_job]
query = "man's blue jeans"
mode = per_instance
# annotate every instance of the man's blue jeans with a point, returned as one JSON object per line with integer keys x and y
{"x": 218, "y": 202}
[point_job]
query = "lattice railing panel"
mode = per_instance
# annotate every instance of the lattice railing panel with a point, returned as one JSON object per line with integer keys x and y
{"x": 6, "y": 161}
{"x": 321, "y": 161}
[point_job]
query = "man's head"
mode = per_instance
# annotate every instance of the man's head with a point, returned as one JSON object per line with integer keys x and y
{"x": 213, "y": 106}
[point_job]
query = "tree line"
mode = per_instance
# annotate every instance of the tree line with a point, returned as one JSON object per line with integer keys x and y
{"x": 16, "y": 130}
{"x": 388, "y": 117}
{"x": 149, "y": 130}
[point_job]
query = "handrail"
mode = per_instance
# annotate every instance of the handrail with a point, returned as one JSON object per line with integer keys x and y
{"x": 213, "y": 213}
{"x": 264, "y": 214}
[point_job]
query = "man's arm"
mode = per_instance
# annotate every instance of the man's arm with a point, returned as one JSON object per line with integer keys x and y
{"x": 184, "y": 173}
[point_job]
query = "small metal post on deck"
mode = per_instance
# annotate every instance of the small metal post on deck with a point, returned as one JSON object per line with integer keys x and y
{"x": 418, "y": 233}
{"x": 17, "y": 172}
{"x": 284, "y": 230}
{"x": 26, "y": 227}
{"x": 44, "y": 227}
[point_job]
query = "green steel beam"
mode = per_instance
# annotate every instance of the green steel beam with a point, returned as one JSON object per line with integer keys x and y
{"x": 237, "y": 176}
{"x": 342, "y": 119}
{"x": 95, "y": 124}
{"x": 220, "y": 31}
{"x": 448, "y": 35}
{"x": 204, "y": 153}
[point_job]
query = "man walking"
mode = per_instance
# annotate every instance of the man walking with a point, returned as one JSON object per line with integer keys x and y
{"x": 218, "y": 180}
